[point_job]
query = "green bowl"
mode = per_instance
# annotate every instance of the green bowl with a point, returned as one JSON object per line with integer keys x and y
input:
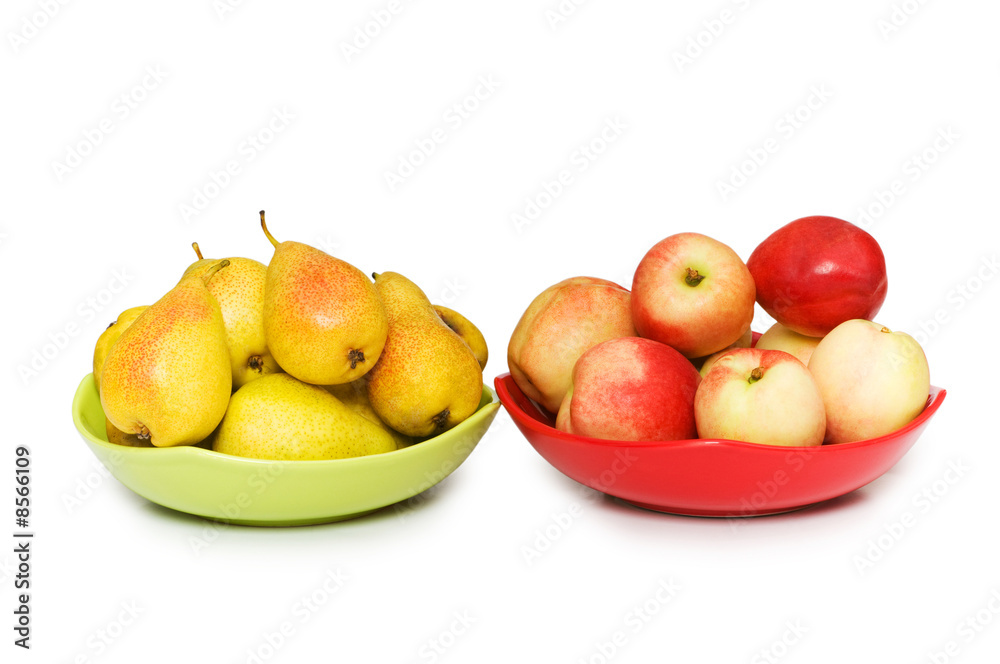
{"x": 278, "y": 493}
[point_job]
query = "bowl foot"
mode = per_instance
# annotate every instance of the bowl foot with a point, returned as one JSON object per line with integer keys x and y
{"x": 717, "y": 514}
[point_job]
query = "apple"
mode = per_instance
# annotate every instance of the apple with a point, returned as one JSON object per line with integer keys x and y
{"x": 693, "y": 293}
{"x": 779, "y": 337}
{"x": 631, "y": 389}
{"x": 559, "y": 325}
{"x": 873, "y": 380}
{"x": 704, "y": 364}
{"x": 817, "y": 272}
{"x": 760, "y": 396}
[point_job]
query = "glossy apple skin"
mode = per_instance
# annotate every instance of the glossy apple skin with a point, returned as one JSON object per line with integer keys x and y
{"x": 560, "y": 324}
{"x": 697, "y": 320}
{"x": 631, "y": 389}
{"x": 873, "y": 381}
{"x": 817, "y": 272}
{"x": 781, "y": 407}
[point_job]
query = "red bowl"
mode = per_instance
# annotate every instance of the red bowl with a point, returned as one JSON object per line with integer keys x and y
{"x": 710, "y": 477}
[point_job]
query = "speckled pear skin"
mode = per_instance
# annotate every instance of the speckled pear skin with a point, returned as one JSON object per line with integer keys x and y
{"x": 108, "y": 338}
{"x": 281, "y": 418}
{"x": 428, "y": 379}
{"x": 323, "y": 320}
{"x": 354, "y": 395}
{"x": 469, "y": 333}
{"x": 168, "y": 376}
{"x": 239, "y": 290}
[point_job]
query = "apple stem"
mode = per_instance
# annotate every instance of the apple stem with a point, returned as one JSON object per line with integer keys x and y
{"x": 756, "y": 375}
{"x": 693, "y": 278}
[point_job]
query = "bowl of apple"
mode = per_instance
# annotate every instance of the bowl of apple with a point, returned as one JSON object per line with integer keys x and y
{"x": 662, "y": 396}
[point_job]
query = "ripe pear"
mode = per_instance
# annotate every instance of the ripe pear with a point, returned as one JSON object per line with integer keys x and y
{"x": 464, "y": 328}
{"x": 428, "y": 379}
{"x": 323, "y": 320}
{"x": 282, "y": 418}
{"x": 354, "y": 395}
{"x": 108, "y": 338}
{"x": 240, "y": 292}
{"x": 119, "y": 437}
{"x": 168, "y": 376}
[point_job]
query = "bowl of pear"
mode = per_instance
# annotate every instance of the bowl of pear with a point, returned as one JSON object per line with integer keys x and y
{"x": 295, "y": 392}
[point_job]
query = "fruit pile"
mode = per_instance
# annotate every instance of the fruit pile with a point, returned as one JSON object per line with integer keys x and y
{"x": 674, "y": 358}
{"x": 304, "y": 358}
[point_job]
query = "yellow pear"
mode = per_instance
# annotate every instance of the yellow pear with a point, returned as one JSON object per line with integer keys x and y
{"x": 282, "y": 418}
{"x": 354, "y": 395}
{"x": 119, "y": 437}
{"x": 240, "y": 292}
{"x": 464, "y": 328}
{"x": 168, "y": 377}
{"x": 108, "y": 338}
{"x": 427, "y": 379}
{"x": 323, "y": 320}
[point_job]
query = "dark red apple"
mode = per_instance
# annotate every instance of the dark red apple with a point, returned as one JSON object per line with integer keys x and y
{"x": 815, "y": 273}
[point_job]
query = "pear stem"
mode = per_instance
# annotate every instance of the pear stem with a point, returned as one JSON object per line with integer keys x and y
{"x": 267, "y": 232}
{"x": 209, "y": 272}
{"x": 197, "y": 250}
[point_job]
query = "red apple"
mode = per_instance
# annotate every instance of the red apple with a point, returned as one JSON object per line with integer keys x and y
{"x": 693, "y": 293}
{"x": 560, "y": 324}
{"x": 817, "y": 272}
{"x": 631, "y": 389}
{"x": 760, "y": 396}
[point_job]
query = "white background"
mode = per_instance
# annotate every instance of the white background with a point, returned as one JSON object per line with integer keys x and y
{"x": 885, "y": 97}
